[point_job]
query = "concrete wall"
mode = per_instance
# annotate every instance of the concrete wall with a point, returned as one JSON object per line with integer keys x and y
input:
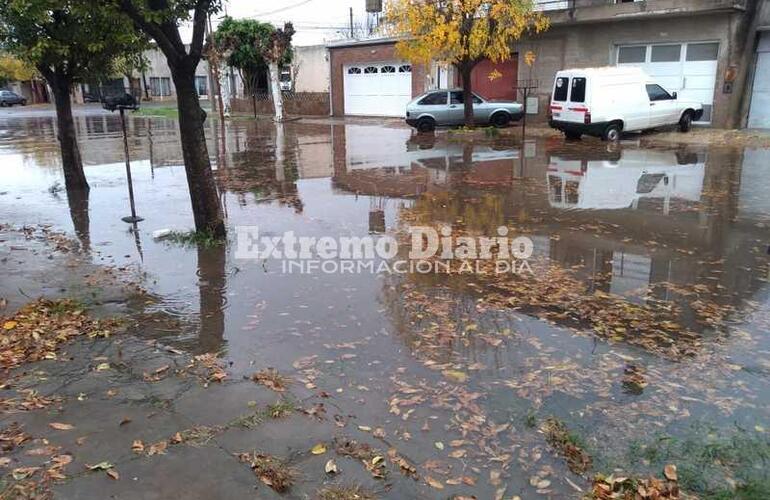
{"x": 158, "y": 67}
{"x": 587, "y": 45}
{"x": 311, "y": 69}
{"x": 374, "y": 52}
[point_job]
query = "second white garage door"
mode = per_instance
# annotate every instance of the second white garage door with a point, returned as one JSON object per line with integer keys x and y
{"x": 687, "y": 68}
{"x": 377, "y": 89}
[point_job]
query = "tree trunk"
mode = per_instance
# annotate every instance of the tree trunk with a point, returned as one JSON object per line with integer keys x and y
{"x": 467, "y": 83}
{"x": 275, "y": 88}
{"x": 74, "y": 176}
{"x": 206, "y": 207}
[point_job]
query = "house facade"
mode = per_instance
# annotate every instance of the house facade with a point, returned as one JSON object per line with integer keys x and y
{"x": 705, "y": 50}
{"x": 368, "y": 78}
{"x": 713, "y": 51}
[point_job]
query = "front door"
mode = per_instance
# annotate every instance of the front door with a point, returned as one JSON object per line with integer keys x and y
{"x": 456, "y": 110}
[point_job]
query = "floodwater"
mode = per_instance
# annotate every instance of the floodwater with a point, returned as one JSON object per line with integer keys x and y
{"x": 643, "y": 326}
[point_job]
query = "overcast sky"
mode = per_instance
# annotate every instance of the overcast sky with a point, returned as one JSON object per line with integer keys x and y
{"x": 316, "y": 21}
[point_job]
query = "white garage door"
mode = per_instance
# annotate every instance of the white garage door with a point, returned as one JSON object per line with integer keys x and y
{"x": 377, "y": 89}
{"x": 687, "y": 68}
{"x": 759, "y": 115}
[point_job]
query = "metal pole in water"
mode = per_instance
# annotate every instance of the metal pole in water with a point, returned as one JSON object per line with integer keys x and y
{"x": 133, "y": 218}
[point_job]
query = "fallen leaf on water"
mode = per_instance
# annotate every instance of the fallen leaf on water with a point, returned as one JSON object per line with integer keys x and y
{"x": 24, "y": 472}
{"x": 364, "y": 428}
{"x": 455, "y": 375}
{"x": 113, "y": 474}
{"x": 158, "y": 448}
{"x": 102, "y": 367}
{"x": 439, "y": 445}
{"x": 670, "y": 472}
{"x": 331, "y": 467}
{"x": 318, "y": 449}
{"x": 434, "y": 483}
{"x": 9, "y": 325}
{"x": 4, "y": 461}
{"x": 137, "y": 446}
{"x": 125, "y": 421}
{"x": 100, "y": 466}
{"x": 61, "y": 427}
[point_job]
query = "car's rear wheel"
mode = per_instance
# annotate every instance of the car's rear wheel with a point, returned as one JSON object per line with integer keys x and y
{"x": 23, "y": 102}
{"x": 685, "y": 123}
{"x": 426, "y": 125}
{"x": 3, "y": 104}
{"x": 573, "y": 136}
{"x": 612, "y": 132}
{"x": 500, "y": 120}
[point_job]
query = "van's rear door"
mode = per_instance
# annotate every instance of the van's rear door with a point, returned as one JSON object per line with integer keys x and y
{"x": 576, "y": 104}
{"x": 569, "y": 99}
{"x": 560, "y": 97}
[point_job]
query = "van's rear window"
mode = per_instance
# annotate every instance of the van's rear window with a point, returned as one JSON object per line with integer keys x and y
{"x": 561, "y": 89}
{"x": 578, "y": 90}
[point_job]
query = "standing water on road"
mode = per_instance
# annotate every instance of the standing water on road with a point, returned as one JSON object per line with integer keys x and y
{"x": 637, "y": 338}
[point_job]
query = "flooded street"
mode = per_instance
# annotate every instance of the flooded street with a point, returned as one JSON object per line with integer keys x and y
{"x": 639, "y": 338}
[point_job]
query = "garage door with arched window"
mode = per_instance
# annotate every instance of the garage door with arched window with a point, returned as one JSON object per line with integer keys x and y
{"x": 382, "y": 89}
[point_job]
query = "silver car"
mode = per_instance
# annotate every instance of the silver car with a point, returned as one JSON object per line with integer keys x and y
{"x": 445, "y": 107}
{"x": 8, "y": 98}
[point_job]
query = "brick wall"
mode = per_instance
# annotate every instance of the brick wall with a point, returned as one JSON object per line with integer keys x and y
{"x": 374, "y": 53}
{"x": 299, "y": 103}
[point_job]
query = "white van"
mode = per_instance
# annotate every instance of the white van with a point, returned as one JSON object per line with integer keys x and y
{"x": 605, "y": 102}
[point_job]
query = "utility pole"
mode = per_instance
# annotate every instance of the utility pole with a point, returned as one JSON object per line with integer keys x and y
{"x": 213, "y": 62}
{"x": 351, "y": 23}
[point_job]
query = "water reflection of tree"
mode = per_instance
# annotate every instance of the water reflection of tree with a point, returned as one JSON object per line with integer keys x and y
{"x": 267, "y": 169}
{"x": 81, "y": 221}
{"x": 212, "y": 288}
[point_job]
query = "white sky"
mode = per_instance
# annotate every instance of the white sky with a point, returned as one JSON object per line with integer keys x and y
{"x": 316, "y": 21}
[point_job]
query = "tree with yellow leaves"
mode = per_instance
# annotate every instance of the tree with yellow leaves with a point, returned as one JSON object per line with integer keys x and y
{"x": 461, "y": 32}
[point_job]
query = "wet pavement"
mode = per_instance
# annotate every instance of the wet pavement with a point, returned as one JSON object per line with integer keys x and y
{"x": 643, "y": 328}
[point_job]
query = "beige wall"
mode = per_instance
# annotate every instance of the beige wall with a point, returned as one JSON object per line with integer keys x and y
{"x": 311, "y": 65}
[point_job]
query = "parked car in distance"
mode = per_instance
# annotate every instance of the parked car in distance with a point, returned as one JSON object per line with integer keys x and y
{"x": 8, "y": 98}
{"x": 90, "y": 98}
{"x": 605, "y": 102}
{"x": 446, "y": 107}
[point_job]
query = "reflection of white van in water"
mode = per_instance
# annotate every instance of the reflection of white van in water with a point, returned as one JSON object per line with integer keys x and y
{"x": 604, "y": 102}
{"x": 612, "y": 184}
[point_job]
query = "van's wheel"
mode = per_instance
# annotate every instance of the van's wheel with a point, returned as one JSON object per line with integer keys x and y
{"x": 426, "y": 125}
{"x": 500, "y": 120}
{"x": 23, "y": 102}
{"x": 573, "y": 136}
{"x": 685, "y": 123}
{"x": 611, "y": 133}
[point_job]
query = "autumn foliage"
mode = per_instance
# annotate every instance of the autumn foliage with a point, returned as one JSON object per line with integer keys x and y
{"x": 461, "y": 32}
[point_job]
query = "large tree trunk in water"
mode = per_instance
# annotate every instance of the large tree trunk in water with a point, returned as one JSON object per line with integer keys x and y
{"x": 206, "y": 207}
{"x": 275, "y": 87}
{"x": 74, "y": 176}
{"x": 465, "y": 75}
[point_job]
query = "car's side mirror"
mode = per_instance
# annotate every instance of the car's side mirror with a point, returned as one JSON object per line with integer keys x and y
{"x": 675, "y": 95}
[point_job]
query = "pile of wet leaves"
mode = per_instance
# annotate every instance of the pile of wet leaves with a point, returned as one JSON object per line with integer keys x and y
{"x": 559, "y": 437}
{"x": 627, "y": 488}
{"x": 38, "y": 330}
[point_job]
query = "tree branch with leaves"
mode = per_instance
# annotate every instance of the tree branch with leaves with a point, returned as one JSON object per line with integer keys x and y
{"x": 461, "y": 32}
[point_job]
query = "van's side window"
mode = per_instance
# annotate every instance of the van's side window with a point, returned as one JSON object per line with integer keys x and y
{"x": 658, "y": 93}
{"x": 578, "y": 90}
{"x": 562, "y": 87}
